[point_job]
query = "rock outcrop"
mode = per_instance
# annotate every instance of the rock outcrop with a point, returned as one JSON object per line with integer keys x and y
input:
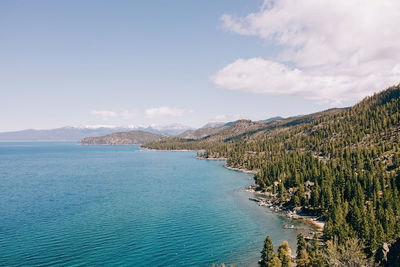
{"x": 388, "y": 254}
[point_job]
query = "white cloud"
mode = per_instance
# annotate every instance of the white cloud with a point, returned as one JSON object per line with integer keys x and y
{"x": 104, "y": 114}
{"x": 128, "y": 114}
{"x": 108, "y": 114}
{"x": 221, "y": 117}
{"x": 165, "y": 111}
{"x": 226, "y": 117}
{"x": 336, "y": 49}
{"x": 258, "y": 75}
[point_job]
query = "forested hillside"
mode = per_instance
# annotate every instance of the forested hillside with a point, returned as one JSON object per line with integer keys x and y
{"x": 204, "y": 138}
{"x": 123, "y": 138}
{"x": 342, "y": 164}
{"x": 202, "y": 132}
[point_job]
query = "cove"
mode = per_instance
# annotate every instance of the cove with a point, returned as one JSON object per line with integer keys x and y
{"x": 64, "y": 204}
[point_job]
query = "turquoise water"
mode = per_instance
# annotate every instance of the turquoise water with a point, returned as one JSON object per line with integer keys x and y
{"x": 64, "y": 204}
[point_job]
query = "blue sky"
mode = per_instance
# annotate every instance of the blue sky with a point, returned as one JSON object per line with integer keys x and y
{"x": 150, "y": 62}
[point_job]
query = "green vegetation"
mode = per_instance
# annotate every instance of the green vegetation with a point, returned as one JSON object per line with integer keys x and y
{"x": 309, "y": 254}
{"x": 350, "y": 253}
{"x": 269, "y": 258}
{"x": 343, "y": 165}
{"x": 123, "y": 138}
{"x": 284, "y": 254}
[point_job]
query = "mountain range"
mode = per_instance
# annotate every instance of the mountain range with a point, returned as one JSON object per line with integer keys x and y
{"x": 78, "y": 133}
{"x": 123, "y": 138}
{"x": 212, "y": 130}
{"x": 206, "y": 136}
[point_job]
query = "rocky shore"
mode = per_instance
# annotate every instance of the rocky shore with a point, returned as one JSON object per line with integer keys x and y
{"x": 240, "y": 170}
{"x": 266, "y": 199}
{"x": 229, "y": 167}
{"x": 172, "y": 150}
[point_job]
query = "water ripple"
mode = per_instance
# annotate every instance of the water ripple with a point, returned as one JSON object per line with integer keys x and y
{"x": 64, "y": 204}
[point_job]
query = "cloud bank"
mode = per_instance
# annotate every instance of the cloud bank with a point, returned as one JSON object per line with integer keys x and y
{"x": 165, "y": 111}
{"x": 151, "y": 113}
{"x": 104, "y": 114}
{"x": 226, "y": 117}
{"x": 109, "y": 114}
{"x": 331, "y": 50}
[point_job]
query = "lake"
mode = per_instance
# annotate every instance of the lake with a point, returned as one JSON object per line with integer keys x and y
{"x": 65, "y": 204}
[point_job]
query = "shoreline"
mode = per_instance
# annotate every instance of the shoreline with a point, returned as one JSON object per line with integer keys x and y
{"x": 210, "y": 158}
{"x": 229, "y": 167}
{"x": 265, "y": 199}
{"x": 240, "y": 169}
{"x": 79, "y": 144}
{"x": 172, "y": 150}
{"x": 311, "y": 220}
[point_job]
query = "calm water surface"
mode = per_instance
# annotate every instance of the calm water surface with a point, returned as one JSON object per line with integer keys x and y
{"x": 64, "y": 204}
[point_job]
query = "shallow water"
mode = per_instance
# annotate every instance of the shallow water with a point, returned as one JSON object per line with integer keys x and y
{"x": 64, "y": 204}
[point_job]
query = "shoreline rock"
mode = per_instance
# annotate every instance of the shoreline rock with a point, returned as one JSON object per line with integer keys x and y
{"x": 266, "y": 199}
{"x": 210, "y": 158}
{"x": 240, "y": 169}
{"x": 171, "y": 150}
{"x": 275, "y": 207}
{"x": 229, "y": 167}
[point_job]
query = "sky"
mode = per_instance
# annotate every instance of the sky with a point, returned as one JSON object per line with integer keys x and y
{"x": 71, "y": 63}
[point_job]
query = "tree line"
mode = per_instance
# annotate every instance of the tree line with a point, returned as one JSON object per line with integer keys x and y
{"x": 343, "y": 166}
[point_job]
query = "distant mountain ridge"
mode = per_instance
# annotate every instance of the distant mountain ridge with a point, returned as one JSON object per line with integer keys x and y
{"x": 170, "y": 129}
{"x": 216, "y": 127}
{"x": 75, "y": 134}
{"x": 58, "y": 134}
{"x": 206, "y": 130}
{"x": 135, "y": 137}
{"x": 204, "y": 138}
{"x": 275, "y": 118}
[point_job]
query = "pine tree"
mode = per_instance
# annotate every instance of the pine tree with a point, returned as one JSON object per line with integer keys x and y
{"x": 268, "y": 255}
{"x": 284, "y": 254}
{"x": 302, "y": 258}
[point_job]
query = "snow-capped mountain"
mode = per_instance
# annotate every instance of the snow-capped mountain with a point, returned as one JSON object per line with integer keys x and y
{"x": 76, "y": 133}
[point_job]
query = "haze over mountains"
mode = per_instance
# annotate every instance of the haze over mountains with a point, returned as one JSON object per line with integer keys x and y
{"x": 77, "y": 133}
{"x": 123, "y": 138}
{"x": 144, "y": 137}
{"x": 137, "y": 134}
{"x": 208, "y": 134}
{"x": 233, "y": 131}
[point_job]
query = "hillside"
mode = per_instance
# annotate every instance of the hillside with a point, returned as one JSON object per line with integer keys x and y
{"x": 58, "y": 134}
{"x": 173, "y": 129}
{"x": 206, "y": 130}
{"x": 122, "y": 138}
{"x": 216, "y": 135}
{"x": 204, "y": 138}
{"x": 343, "y": 165}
